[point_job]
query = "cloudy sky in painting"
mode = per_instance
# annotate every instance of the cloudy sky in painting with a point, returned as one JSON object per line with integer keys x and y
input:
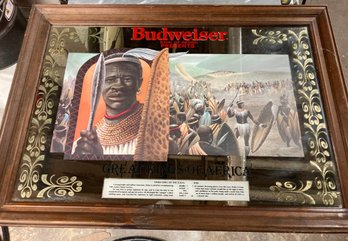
{"x": 198, "y": 64}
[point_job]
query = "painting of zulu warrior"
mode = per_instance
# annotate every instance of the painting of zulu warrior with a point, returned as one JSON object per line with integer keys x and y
{"x": 261, "y": 115}
{"x": 116, "y": 132}
{"x": 122, "y": 108}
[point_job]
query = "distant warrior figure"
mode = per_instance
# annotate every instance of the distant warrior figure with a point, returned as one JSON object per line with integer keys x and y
{"x": 215, "y": 125}
{"x": 224, "y": 137}
{"x": 242, "y": 127}
{"x": 204, "y": 145}
{"x": 197, "y": 106}
{"x": 181, "y": 118}
{"x": 287, "y": 122}
{"x": 174, "y": 138}
{"x": 61, "y": 124}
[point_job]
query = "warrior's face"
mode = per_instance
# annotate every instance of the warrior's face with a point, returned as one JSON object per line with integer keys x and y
{"x": 240, "y": 105}
{"x": 122, "y": 81}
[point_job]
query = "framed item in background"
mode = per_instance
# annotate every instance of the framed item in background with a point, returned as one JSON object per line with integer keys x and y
{"x": 199, "y": 117}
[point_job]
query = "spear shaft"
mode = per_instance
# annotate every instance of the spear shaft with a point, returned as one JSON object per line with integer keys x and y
{"x": 234, "y": 98}
{"x": 97, "y": 83}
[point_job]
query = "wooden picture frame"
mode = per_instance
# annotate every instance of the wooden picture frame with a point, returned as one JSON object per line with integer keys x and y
{"x": 36, "y": 191}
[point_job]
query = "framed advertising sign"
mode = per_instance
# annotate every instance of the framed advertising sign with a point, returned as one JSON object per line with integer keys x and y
{"x": 162, "y": 117}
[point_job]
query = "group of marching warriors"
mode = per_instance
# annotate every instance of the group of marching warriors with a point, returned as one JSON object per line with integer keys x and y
{"x": 198, "y": 125}
{"x": 195, "y": 126}
{"x": 257, "y": 87}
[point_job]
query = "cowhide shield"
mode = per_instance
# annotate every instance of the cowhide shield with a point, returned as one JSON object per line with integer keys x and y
{"x": 153, "y": 142}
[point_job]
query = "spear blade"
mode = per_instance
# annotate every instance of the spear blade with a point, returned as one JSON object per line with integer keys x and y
{"x": 96, "y": 88}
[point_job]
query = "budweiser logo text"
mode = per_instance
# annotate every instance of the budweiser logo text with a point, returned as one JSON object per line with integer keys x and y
{"x": 166, "y": 35}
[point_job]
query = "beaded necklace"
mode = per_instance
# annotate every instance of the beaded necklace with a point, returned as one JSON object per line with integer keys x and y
{"x": 111, "y": 134}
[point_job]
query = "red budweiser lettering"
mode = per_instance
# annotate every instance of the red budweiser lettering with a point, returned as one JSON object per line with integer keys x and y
{"x": 194, "y": 35}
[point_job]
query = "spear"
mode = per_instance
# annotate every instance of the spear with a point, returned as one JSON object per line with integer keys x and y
{"x": 97, "y": 83}
{"x": 234, "y": 98}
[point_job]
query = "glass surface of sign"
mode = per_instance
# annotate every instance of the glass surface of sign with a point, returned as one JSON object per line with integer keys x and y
{"x": 208, "y": 103}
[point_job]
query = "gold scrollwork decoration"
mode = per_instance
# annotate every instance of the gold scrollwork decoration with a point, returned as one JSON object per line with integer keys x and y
{"x": 30, "y": 178}
{"x": 291, "y": 192}
{"x": 271, "y": 37}
{"x": 325, "y": 182}
{"x": 61, "y": 187}
{"x": 314, "y": 124}
{"x": 40, "y": 124}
